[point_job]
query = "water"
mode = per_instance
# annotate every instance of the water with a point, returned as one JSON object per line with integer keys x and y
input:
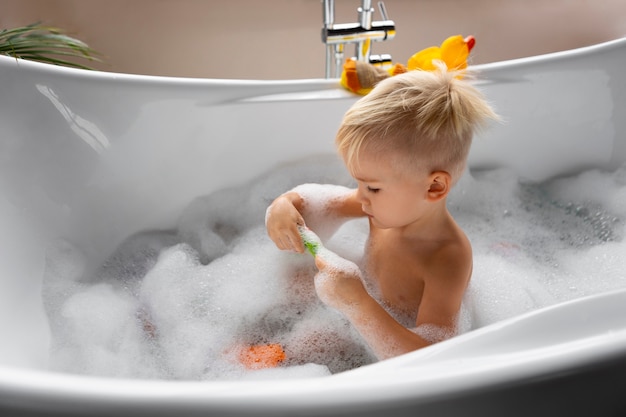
{"x": 180, "y": 304}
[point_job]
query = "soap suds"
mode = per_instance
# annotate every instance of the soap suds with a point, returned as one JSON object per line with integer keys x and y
{"x": 174, "y": 304}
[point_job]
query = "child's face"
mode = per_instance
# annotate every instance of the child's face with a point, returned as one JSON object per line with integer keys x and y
{"x": 389, "y": 198}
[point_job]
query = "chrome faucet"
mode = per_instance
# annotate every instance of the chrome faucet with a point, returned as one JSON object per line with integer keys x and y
{"x": 361, "y": 33}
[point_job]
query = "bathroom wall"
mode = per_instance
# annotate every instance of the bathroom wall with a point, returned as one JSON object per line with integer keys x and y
{"x": 276, "y": 39}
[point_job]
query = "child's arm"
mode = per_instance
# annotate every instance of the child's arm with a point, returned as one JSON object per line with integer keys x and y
{"x": 320, "y": 207}
{"x": 342, "y": 289}
{"x": 339, "y": 285}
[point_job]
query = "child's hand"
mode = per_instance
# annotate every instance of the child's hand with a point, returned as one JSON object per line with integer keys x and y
{"x": 282, "y": 219}
{"x": 338, "y": 283}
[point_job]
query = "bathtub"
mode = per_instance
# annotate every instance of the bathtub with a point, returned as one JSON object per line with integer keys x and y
{"x": 99, "y": 156}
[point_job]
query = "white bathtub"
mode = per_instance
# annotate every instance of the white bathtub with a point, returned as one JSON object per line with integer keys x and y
{"x": 90, "y": 155}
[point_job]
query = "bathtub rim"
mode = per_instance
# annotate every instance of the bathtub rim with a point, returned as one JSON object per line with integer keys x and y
{"x": 553, "y": 56}
{"x": 44, "y": 390}
{"x": 233, "y": 90}
{"x": 307, "y": 83}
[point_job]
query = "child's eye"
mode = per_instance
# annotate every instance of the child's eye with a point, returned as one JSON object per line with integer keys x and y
{"x": 372, "y": 189}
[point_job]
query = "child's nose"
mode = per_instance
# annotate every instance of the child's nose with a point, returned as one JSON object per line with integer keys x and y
{"x": 360, "y": 195}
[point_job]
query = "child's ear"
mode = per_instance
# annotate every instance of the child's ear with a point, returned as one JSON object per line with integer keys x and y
{"x": 439, "y": 185}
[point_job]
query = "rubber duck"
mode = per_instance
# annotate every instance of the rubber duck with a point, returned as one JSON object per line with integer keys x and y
{"x": 361, "y": 77}
{"x": 453, "y": 51}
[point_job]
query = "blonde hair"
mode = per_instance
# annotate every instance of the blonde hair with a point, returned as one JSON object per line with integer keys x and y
{"x": 421, "y": 119}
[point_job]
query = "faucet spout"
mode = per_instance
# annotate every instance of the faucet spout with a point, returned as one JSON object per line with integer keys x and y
{"x": 361, "y": 33}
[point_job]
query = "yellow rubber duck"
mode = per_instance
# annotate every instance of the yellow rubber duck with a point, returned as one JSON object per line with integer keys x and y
{"x": 361, "y": 77}
{"x": 453, "y": 51}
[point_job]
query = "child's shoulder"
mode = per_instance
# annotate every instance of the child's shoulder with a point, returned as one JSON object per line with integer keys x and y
{"x": 451, "y": 259}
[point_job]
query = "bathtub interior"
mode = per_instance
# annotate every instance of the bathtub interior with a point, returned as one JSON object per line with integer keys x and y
{"x": 96, "y": 158}
{"x": 81, "y": 182}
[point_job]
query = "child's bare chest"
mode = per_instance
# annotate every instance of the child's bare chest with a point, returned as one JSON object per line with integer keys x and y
{"x": 395, "y": 273}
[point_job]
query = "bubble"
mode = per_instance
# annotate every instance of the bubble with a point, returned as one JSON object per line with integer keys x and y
{"x": 177, "y": 304}
{"x": 432, "y": 333}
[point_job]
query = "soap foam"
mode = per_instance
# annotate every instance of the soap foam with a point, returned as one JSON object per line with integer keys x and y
{"x": 179, "y": 304}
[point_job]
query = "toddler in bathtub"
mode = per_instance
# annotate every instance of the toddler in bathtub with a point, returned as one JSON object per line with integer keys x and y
{"x": 406, "y": 144}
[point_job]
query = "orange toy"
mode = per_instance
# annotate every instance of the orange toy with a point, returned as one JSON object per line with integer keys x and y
{"x": 360, "y": 77}
{"x": 262, "y": 356}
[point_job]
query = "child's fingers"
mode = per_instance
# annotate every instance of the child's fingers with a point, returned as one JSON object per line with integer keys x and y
{"x": 289, "y": 239}
{"x": 296, "y": 243}
{"x": 286, "y": 241}
{"x": 320, "y": 263}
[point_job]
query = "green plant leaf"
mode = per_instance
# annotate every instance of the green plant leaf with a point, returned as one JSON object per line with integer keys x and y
{"x": 46, "y": 44}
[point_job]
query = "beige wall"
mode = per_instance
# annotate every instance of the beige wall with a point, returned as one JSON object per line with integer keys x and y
{"x": 276, "y": 39}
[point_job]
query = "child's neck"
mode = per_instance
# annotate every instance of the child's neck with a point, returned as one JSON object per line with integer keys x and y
{"x": 431, "y": 226}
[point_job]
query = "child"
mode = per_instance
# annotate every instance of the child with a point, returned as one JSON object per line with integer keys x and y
{"x": 406, "y": 145}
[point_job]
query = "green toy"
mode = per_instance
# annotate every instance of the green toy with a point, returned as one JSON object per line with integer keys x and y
{"x": 311, "y": 241}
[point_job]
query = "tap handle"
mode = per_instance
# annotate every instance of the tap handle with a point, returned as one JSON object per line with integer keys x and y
{"x": 383, "y": 10}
